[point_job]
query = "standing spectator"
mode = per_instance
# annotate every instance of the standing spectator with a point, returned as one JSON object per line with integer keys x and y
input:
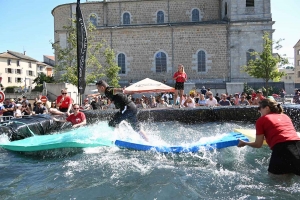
{"x": 203, "y": 90}
{"x": 282, "y": 96}
{"x": 224, "y": 101}
{"x": 110, "y": 105}
{"x": 211, "y": 101}
{"x": 180, "y": 77}
{"x": 243, "y": 101}
{"x": 259, "y": 97}
{"x": 77, "y": 118}
{"x": 64, "y": 102}
{"x": 95, "y": 103}
{"x": 217, "y": 97}
{"x": 8, "y": 110}
{"x": 253, "y": 95}
{"x": 87, "y": 105}
{"x": 39, "y": 108}
{"x": 25, "y": 100}
{"x": 26, "y": 110}
{"x": 296, "y": 98}
{"x": 236, "y": 99}
{"x": 18, "y": 111}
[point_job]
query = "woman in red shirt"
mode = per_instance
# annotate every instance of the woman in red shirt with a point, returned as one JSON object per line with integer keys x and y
{"x": 180, "y": 77}
{"x": 281, "y": 137}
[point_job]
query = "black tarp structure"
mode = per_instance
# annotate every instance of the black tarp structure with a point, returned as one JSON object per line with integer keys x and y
{"x": 43, "y": 124}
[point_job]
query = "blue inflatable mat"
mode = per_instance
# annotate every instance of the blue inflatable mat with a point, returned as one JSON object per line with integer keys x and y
{"x": 74, "y": 138}
{"x": 227, "y": 140}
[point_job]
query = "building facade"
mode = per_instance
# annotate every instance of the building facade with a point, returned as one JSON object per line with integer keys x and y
{"x": 297, "y": 61}
{"x": 211, "y": 38}
{"x": 18, "y": 69}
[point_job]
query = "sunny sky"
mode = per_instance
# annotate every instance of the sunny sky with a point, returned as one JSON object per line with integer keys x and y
{"x": 27, "y": 25}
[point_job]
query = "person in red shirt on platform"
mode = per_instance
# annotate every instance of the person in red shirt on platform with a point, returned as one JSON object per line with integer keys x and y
{"x": 281, "y": 137}
{"x": 77, "y": 118}
{"x": 180, "y": 77}
{"x": 64, "y": 102}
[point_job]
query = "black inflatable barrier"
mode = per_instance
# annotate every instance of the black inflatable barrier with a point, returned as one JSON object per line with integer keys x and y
{"x": 43, "y": 124}
{"x": 21, "y": 128}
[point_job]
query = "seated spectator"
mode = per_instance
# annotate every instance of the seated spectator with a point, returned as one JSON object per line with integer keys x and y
{"x": 77, "y": 118}
{"x": 190, "y": 102}
{"x": 26, "y": 110}
{"x": 95, "y": 103}
{"x": 202, "y": 100}
{"x": 211, "y": 101}
{"x": 224, "y": 101}
{"x": 18, "y": 111}
{"x": 39, "y": 108}
{"x": 162, "y": 103}
{"x": 153, "y": 103}
{"x": 243, "y": 101}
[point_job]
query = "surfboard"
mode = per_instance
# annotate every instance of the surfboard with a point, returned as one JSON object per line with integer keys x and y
{"x": 75, "y": 138}
{"x": 250, "y": 134}
{"x": 227, "y": 140}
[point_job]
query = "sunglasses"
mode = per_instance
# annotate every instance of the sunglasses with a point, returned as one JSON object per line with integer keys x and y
{"x": 63, "y": 93}
{"x": 76, "y": 108}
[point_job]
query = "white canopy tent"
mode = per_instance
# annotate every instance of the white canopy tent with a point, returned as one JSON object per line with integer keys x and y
{"x": 148, "y": 85}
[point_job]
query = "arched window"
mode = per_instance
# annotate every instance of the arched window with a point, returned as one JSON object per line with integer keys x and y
{"x": 93, "y": 19}
{"x": 161, "y": 62}
{"x": 225, "y": 8}
{"x": 126, "y": 18}
{"x": 121, "y": 63}
{"x": 195, "y": 15}
{"x": 249, "y": 3}
{"x": 250, "y": 56}
{"x": 160, "y": 17}
{"x": 201, "y": 57}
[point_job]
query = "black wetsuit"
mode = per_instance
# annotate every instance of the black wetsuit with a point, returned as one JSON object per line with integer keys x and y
{"x": 128, "y": 110}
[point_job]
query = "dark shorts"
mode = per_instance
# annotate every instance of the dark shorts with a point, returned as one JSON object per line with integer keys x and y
{"x": 179, "y": 86}
{"x": 130, "y": 115}
{"x": 63, "y": 109}
{"x": 285, "y": 158}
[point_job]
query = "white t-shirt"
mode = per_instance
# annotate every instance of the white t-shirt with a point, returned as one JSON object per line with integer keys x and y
{"x": 18, "y": 113}
{"x": 212, "y": 102}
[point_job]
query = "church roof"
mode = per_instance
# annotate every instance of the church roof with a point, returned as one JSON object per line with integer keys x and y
{"x": 297, "y": 44}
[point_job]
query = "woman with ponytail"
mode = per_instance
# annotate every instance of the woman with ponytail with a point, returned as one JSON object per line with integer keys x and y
{"x": 281, "y": 136}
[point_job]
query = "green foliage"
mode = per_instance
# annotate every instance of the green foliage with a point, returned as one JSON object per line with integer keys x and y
{"x": 11, "y": 89}
{"x": 42, "y": 77}
{"x": 38, "y": 88}
{"x": 112, "y": 70}
{"x": 265, "y": 64}
{"x": 67, "y": 58}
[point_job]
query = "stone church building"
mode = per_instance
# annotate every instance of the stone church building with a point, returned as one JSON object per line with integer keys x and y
{"x": 211, "y": 38}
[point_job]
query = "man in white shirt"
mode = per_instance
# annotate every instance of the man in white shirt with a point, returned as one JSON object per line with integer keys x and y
{"x": 211, "y": 101}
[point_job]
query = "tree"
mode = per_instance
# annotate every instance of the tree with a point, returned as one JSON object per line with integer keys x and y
{"x": 265, "y": 64}
{"x": 67, "y": 57}
{"x": 42, "y": 77}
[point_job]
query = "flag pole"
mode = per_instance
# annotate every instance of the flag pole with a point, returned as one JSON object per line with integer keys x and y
{"x": 81, "y": 51}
